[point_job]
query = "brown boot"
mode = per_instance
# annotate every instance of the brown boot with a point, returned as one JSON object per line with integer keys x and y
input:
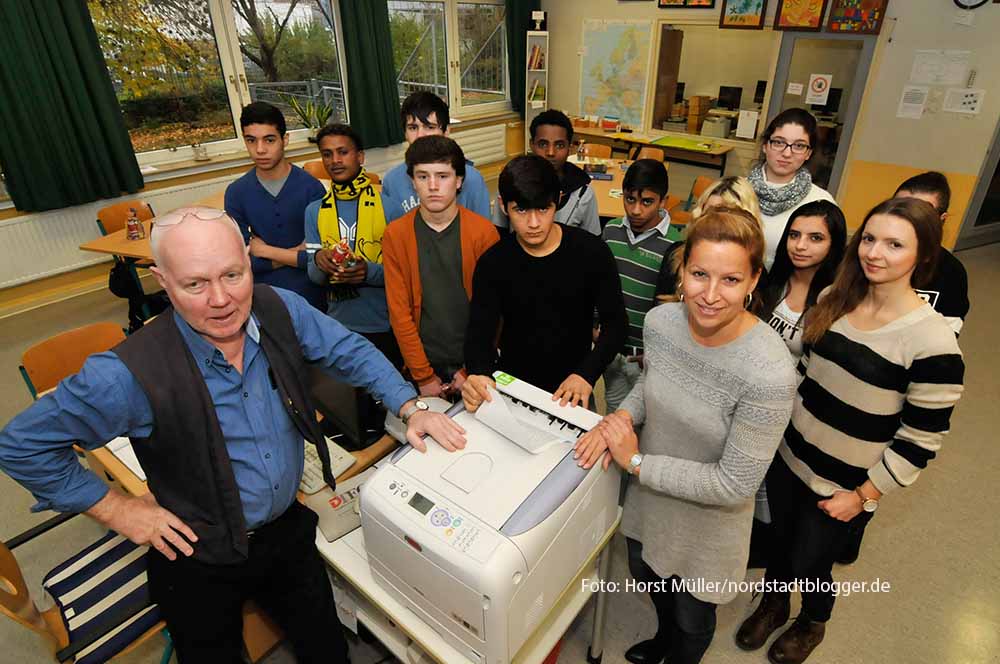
{"x": 798, "y": 641}
{"x": 771, "y": 613}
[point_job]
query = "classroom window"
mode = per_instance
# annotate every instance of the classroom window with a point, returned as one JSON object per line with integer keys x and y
{"x": 426, "y": 37}
{"x": 184, "y": 69}
{"x": 291, "y": 60}
{"x": 165, "y": 66}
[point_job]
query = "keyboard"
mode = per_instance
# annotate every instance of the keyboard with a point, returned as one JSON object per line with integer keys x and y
{"x": 312, "y": 474}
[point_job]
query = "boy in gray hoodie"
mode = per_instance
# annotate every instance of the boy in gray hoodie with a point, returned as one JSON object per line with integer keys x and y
{"x": 551, "y": 138}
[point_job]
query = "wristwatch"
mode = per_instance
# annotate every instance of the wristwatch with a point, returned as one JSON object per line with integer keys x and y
{"x": 867, "y": 504}
{"x": 417, "y": 406}
{"x": 634, "y": 463}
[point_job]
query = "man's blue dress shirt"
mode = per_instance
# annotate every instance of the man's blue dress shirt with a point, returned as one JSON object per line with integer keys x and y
{"x": 104, "y": 400}
{"x": 277, "y": 220}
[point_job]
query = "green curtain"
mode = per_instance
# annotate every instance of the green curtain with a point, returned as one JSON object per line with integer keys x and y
{"x": 62, "y": 136}
{"x": 518, "y": 24}
{"x": 371, "y": 75}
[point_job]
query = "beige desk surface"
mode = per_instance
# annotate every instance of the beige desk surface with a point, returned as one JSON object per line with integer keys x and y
{"x": 131, "y": 484}
{"x": 117, "y": 244}
{"x": 348, "y": 557}
{"x": 642, "y": 139}
{"x": 609, "y": 205}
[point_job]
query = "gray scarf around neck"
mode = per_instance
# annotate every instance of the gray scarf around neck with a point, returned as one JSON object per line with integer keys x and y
{"x": 775, "y": 200}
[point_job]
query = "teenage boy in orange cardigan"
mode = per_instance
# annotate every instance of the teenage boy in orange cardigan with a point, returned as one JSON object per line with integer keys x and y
{"x": 429, "y": 256}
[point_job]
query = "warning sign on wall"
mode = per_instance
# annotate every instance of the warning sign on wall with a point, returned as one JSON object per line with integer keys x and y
{"x": 819, "y": 88}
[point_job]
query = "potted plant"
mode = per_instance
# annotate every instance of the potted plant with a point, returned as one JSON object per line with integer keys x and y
{"x": 312, "y": 113}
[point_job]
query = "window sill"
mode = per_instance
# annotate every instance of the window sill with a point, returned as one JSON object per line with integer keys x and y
{"x": 168, "y": 173}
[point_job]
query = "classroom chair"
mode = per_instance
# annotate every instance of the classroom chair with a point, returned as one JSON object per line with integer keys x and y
{"x": 701, "y": 183}
{"x": 597, "y": 150}
{"x": 111, "y": 219}
{"x": 316, "y": 169}
{"x": 92, "y": 621}
{"x": 649, "y": 152}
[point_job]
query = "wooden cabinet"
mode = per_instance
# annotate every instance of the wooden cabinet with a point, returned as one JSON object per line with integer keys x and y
{"x": 667, "y": 68}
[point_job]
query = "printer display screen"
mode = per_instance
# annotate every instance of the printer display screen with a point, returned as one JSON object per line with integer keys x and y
{"x": 420, "y": 503}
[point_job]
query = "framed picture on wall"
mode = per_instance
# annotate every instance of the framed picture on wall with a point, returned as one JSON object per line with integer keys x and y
{"x": 743, "y": 14}
{"x": 702, "y": 4}
{"x": 803, "y": 15}
{"x": 863, "y": 17}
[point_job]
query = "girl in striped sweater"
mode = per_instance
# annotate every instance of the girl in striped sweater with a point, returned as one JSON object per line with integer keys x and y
{"x": 882, "y": 372}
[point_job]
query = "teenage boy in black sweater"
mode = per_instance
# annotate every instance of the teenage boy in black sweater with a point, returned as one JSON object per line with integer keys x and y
{"x": 539, "y": 286}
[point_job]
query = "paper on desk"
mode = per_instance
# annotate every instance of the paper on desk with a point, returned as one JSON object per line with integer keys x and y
{"x": 497, "y": 415}
{"x": 121, "y": 447}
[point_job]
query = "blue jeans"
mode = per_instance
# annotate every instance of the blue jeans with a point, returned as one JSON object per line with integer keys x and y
{"x": 686, "y": 624}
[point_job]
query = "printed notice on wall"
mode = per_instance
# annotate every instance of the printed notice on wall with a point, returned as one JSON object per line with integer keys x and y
{"x": 795, "y": 89}
{"x": 913, "y": 101}
{"x": 819, "y": 88}
{"x": 746, "y": 127}
{"x": 940, "y": 67}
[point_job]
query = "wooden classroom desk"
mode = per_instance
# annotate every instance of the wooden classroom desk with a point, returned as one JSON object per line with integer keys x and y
{"x": 118, "y": 244}
{"x": 610, "y": 206}
{"x": 713, "y": 157}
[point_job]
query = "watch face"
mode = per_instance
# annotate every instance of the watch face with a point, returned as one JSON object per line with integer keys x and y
{"x": 869, "y": 505}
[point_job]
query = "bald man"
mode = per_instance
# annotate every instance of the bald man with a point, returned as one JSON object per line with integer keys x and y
{"x": 211, "y": 395}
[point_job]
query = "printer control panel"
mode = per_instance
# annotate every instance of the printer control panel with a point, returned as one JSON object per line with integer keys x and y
{"x": 445, "y": 522}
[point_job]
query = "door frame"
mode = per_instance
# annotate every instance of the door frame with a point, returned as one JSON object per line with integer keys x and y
{"x": 969, "y": 235}
{"x": 853, "y": 103}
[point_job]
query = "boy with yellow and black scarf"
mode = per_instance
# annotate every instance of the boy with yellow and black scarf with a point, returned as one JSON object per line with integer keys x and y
{"x": 352, "y": 210}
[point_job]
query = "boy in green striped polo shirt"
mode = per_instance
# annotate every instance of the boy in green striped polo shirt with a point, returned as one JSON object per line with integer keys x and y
{"x": 638, "y": 241}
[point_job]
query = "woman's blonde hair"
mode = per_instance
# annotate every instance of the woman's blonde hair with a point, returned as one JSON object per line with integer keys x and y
{"x": 735, "y": 193}
{"x": 721, "y": 224}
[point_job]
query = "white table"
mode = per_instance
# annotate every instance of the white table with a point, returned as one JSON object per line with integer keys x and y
{"x": 413, "y": 641}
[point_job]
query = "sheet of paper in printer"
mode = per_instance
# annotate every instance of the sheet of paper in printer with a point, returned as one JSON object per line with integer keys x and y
{"x": 498, "y": 415}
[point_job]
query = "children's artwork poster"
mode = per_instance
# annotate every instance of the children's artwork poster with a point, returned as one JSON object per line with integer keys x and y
{"x": 802, "y": 15}
{"x": 703, "y": 4}
{"x": 743, "y": 14}
{"x": 863, "y": 17}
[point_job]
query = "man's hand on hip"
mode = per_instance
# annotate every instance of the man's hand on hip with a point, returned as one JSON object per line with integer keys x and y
{"x": 144, "y": 522}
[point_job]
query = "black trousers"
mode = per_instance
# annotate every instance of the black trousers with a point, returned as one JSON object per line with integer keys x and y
{"x": 806, "y": 541}
{"x": 284, "y": 574}
{"x": 686, "y": 625}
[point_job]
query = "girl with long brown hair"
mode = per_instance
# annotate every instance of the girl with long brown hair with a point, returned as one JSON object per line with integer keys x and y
{"x": 883, "y": 372}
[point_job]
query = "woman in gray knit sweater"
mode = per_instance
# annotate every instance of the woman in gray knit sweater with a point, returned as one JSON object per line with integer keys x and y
{"x": 714, "y": 398}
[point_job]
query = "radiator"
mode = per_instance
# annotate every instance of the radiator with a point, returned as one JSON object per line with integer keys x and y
{"x": 47, "y": 243}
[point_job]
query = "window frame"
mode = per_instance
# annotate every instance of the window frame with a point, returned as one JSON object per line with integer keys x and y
{"x": 454, "y": 65}
{"x": 234, "y": 77}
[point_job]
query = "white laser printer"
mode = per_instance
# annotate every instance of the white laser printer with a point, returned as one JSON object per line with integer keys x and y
{"x": 481, "y": 542}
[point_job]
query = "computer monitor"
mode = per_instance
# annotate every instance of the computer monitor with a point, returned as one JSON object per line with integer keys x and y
{"x": 759, "y": 92}
{"x": 729, "y": 97}
{"x": 679, "y": 94}
{"x": 832, "y": 104}
{"x": 344, "y": 409}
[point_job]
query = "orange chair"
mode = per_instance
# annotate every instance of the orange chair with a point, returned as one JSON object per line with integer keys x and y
{"x": 111, "y": 219}
{"x": 701, "y": 183}
{"x": 374, "y": 177}
{"x": 649, "y": 152}
{"x": 316, "y": 169}
{"x": 597, "y": 150}
{"x": 48, "y": 362}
